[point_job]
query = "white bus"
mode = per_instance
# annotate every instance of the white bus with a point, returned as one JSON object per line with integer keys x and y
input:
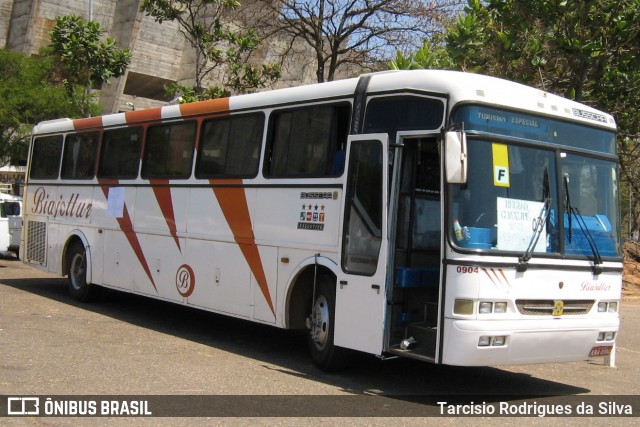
{"x": 10, "y": 223}
{"x": 448, "y": 217}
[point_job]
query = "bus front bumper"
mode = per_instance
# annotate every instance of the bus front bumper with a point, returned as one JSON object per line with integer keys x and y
{"x": 512, "y": 342}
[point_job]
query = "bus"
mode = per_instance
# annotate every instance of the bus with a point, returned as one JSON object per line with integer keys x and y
{"x": 443, "y": 216}
{"x": 10, "y": 221}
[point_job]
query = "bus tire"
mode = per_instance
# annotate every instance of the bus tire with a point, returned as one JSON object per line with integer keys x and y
{"x": 324, "y": 353}
{"x": 79, "y": 289}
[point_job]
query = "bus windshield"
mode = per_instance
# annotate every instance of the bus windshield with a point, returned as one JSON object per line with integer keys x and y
{"x": 536, "y": 186}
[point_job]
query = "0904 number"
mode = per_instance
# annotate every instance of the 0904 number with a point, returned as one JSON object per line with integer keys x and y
{"x": 467, "y": 270}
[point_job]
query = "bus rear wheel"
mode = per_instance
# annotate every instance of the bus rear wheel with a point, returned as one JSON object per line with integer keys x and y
{"x": 321, "y": 323}
{"x": 77, "y": 274}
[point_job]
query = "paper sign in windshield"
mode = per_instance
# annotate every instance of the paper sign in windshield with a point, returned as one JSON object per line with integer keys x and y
{"x": 517, "y": 223}
{"x": 115, "y": 202}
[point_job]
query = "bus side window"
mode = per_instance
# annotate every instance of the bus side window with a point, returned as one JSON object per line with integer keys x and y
{"x": 120, "y": 155}
{"x": 45, "y": 159}
{"x": 307, "y": 142}
{"x": 230, "y": 147}
{"x": 168, "y": 151}
{"x": 79, "y": 158}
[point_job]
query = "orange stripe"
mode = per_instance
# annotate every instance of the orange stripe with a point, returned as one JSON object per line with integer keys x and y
{"x": 126, "y": 225}
{"x": 91, "y": 122}
{"x": 162, "y": 192}
{"x": 143, "y": 115}
{"x": 489, "y": 276}
{"x": 233, "y": 202}
{"x": 505, "y": 277}
{"x": 204, "y": 107}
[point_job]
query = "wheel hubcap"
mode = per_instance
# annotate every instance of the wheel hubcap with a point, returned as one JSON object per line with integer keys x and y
{"x": 77, "y": 271}
{"x": 320, "y": 322}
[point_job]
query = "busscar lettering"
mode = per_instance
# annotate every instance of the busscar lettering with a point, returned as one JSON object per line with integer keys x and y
{"x": 589, "y": 115}
{"x": 68, "y": 207}
{"x": 316, "y": 195}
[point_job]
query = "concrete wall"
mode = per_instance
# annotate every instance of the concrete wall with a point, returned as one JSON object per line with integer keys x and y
{"x": 161, "y": 54}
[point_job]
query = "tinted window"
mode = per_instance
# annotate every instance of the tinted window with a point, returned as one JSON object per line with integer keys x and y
{"x": 309, "y": 142}
{"x": 45, "y": 159}
{"x": 403, "y": 113}
{"x": 363, "y": 213}
{"x": 79, "y": 160}
{"x": 120, "y": 156}
{"x": 230, "y": 147}
{"x": 168, "y": 151}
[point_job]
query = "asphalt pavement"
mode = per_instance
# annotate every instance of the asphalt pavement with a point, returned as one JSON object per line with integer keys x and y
{"x": 136, "y": 348}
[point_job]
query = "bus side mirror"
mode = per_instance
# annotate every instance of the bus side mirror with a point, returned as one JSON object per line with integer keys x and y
{"x": 455, "y": 151}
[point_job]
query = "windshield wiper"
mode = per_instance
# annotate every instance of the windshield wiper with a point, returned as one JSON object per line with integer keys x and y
{"x": 597, "y": 259}
{"x": 523, "y": 261}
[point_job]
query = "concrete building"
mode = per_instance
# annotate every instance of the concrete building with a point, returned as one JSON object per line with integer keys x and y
{"x": 161, "y": 54}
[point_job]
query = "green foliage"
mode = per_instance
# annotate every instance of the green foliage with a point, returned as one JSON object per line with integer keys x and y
{"x": 28, "y": 97}
{"x": 587, "y": 50}
{"x": 432, "y": 55}
{"x": 85, "y": 58}
{"x": 217, "y": 46}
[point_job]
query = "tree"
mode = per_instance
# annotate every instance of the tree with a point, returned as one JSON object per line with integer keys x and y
{"x": 586, "y": 50}
{"x": 432, "y": 55}
{"x": 351, "y": 34}
{"x": 217, "y": 44}
{"x": 28, "y": 97}
{"x": 85, "y": 58}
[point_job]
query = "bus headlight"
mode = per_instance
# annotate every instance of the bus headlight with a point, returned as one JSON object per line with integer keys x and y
{"x": 463, "y": 306}
{"x": 608, "y": 307}
{"x": 500, "y": 307}
{"x": 499, "y": 341}
{"x": 606, "y": 336}
{"x": 487, "y": 307}
{"x": 496, "y": 341}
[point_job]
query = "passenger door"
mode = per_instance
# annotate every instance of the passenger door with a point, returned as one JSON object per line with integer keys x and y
{"x": 360, "y": 291}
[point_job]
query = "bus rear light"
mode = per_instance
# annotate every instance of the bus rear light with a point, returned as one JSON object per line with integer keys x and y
{"x": 493, "y": 341}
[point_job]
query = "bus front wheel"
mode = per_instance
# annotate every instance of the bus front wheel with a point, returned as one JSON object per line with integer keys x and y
{"x": 77, "y": 274}
{"x": 321, "y": 323}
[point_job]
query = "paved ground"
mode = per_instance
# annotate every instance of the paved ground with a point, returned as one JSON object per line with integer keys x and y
{"x": 128, "y": 345}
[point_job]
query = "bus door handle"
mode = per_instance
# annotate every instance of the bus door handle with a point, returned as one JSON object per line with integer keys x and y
{"x": 376, "y": 288}
{"x": 343, "y": 283}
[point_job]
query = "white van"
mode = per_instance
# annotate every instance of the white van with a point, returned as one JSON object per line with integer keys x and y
{"x": 10, "y": 223}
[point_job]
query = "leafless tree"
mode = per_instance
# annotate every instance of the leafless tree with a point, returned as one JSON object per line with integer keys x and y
{"x": 342, "y": 37}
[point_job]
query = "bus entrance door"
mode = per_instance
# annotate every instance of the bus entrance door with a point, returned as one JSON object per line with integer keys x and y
{"x": 414, "y": 296}
{"x": 360, "y": 289}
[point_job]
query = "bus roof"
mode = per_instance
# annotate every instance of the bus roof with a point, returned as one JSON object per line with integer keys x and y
{"x": 459, "y": 87}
